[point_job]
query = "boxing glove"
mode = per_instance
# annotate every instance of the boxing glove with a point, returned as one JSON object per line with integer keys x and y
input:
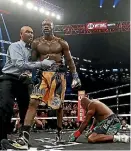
{"x": 76, "y": 83}
{"x": 73, "y": 137}
{"x": 46, "y": 63}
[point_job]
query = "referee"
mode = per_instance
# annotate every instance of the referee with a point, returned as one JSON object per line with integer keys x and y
{"x": 13, "y": 83}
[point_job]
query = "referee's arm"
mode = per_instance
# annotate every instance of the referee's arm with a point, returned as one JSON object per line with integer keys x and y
{"x": 18, "y": 60}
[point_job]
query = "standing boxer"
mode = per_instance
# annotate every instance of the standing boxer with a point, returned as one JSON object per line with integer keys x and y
{"x": 53, "y": 81}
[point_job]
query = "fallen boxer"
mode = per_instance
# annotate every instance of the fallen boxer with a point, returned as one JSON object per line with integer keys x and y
{"x": 107, "y": 123}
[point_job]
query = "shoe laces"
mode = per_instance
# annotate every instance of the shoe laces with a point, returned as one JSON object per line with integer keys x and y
{"x": 21, "y": 141}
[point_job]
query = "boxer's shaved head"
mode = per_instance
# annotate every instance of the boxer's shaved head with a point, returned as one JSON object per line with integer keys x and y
{"x": 84, "y": 102}
{"x": 47, "y": 27}
{"x": 48, "y": 21}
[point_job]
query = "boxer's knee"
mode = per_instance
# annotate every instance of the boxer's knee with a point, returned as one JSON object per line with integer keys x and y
{"x": 91, "y": 139}
{"x": 60, "y": 109}
{"x": 61, "y": 106}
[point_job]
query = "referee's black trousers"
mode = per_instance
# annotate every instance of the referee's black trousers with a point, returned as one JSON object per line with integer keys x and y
{"x": 11, "y": 88}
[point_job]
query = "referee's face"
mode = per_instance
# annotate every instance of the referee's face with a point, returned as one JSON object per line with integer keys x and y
{"x": 26, "y": 34}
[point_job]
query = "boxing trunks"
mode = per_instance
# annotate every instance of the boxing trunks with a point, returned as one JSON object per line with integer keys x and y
{"x": 110, "y": 126}
{"x": 52, "y": 88}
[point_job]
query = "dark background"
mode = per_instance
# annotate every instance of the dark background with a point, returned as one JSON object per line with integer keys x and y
{"x": 106, "y": 51}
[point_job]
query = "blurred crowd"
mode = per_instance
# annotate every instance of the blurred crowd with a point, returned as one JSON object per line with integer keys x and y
{"x": 70, "y": 111}
{"x": 43, "y": 112}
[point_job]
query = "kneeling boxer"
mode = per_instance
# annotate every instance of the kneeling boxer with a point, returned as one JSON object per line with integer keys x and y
{"x": 53, "y": 81}
{"x": 107, "y": 123}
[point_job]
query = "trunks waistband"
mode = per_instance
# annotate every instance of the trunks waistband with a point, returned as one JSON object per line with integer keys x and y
{"x": 111, "y": 116}
{"x": 56, "y": 68}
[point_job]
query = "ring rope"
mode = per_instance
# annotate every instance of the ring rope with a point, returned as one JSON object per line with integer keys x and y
{"x": 73, "y": 117}
{"x": 114, "y": 96}
{"x": 44, "y": 118}
{"x": 122, "y": 86}
{"x": 104, "y": 90}
{"x": 111, "y": 106}
{"x": 108, "y": 97}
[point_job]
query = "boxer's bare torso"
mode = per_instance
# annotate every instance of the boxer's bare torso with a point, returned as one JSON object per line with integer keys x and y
{"x": 52, "y": 49}
{"x": 101, "y": 110}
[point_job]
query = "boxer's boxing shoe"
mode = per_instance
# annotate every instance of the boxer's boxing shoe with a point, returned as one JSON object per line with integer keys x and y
{"x": 121, "y": 138}
{"x": 18, "y": 144}
{"x": 58, "y": 138}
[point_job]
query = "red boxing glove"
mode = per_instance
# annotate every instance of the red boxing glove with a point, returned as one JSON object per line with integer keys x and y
{"x": 77, "y": 133}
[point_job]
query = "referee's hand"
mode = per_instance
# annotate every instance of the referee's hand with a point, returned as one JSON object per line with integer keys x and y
{"x": 47, "y": 62}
